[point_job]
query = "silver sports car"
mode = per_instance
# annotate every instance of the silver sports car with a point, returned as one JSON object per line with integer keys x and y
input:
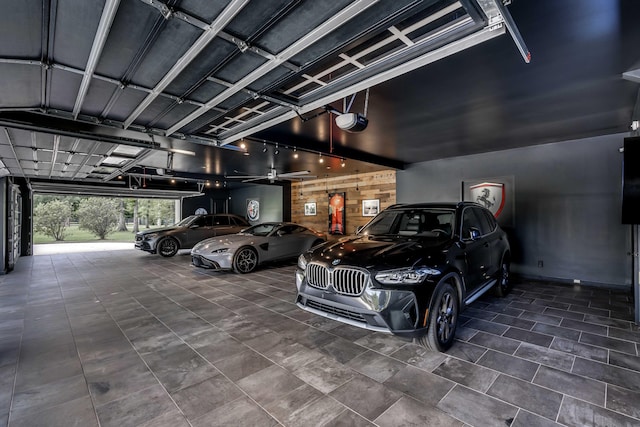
{"x": 244, "y": 251}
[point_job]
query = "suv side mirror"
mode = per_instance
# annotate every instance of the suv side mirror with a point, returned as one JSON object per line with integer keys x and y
{"x": 194, "y": 226}
{"x": 474, "y": 233}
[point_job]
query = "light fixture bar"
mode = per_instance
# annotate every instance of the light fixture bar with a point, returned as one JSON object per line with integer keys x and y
{"x": 346, "y": 14}
{"x": 205, "y": 38}
{"x": 106, "y": 20}
{"x": 54, "y": 155}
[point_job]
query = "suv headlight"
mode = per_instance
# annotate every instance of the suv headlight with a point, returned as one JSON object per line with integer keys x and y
{"x": 405, "y": 276}
{"x": 151, "y": 236}
{"x": 302, "y": 262}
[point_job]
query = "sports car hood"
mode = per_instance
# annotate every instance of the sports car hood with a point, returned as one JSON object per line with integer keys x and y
{"x": 230, "y": 241}
{"x": 382, "y": 252}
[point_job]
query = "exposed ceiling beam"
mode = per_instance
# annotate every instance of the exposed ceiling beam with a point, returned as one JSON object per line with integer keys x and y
{"x": 340, "y": 18}
{"x": 205, "y": 38}
{"x": 131, "y": 163}
{"x": 364, "y": 78}
{"x": 106, "y": 20}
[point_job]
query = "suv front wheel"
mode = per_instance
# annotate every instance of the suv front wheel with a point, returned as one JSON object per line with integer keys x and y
{"x": 443, "y": 319}
{"x": 168, "y": 247}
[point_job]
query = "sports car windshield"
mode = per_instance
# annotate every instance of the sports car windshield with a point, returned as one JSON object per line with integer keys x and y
{"x": 421, "y": 222}
{"x": 260, "y": 229}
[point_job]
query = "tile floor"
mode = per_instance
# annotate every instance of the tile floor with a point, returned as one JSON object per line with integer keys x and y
{"x": 125, "y": 338}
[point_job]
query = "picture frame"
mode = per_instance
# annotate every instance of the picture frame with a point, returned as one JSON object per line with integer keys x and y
{"x": 310, "y": 209}
{"x": 370, "y": 207}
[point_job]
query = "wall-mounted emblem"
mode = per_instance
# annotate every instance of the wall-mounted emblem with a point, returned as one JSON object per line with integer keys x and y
{"x": 491, "y": 195}
{"x": 253, "y": 209}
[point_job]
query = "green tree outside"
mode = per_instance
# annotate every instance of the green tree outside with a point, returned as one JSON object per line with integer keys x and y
{"x": 52, "y": 218}
{"x": 98, "y": 215}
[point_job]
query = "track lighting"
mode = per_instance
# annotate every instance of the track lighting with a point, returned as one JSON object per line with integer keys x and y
{"x": 295, "y": 153}
{"x": 342, "y": 163}
{"x": 320, "y": 159}
{"x": 264, "y": 148}
{"x": 277, "y": 150}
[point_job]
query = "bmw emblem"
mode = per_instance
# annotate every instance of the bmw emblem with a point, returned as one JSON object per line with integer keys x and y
{"x": 335, "y": 262}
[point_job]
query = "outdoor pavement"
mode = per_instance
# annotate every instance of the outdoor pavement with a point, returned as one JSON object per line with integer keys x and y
{"x": 66, "y": 248}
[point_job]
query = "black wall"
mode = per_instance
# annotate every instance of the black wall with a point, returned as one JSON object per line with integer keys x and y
{"x": 567, "y": 209}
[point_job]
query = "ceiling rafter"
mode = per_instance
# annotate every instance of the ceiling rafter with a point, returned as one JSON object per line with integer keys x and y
{"x": 106, "y": 20}
{"x": 54, "y": 155}
{"x": 210, "y": 33}
{"x": 346, "y": 14}
{"x": 351, "y": 59}
{"x": 373, "y": 74}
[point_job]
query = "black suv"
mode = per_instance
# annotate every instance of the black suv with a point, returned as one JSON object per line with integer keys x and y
{"x": 409, "y": 271}
{"x": 186, "y": 233}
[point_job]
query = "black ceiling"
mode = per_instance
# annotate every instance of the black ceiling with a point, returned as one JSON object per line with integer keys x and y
{"x": 95, "y": 90}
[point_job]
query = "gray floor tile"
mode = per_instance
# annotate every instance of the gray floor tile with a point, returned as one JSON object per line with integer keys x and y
{"x": 468, "y": 374}
{"x": 242, "y": 364}
{"x": 528, "y": 336}
{"x": 279, "y": 381}
{"x": 376, "y": 366}
{"x": 583, "y": 350}
{"x": 241, "y": 412}
{"x": 623, "y": 400}
{"x": 571, "y": 384}
{"x": 533, "y": 398}
{"x": 527, "y": 419}
{"x": 555, "y": 359}
{"x": 409, "y": 412}
{"x": 575, "y": 412}
{"x": 420, "y": 357}
{"x": 609, "y": 343}
{"x": 296, "y": 400}
{"x": 179, "y": 367}
{"x": 366, "y": 397}
{"x": 48, "y": 395}
{"x": 325, "y": 374}
{"x": 202, "y": 398}
{"x": 610, "y": 374}
{"x": 75, "y": 413}
{"x": 477, "y": 409}
{"x": 423, "y": 386}
{"x": 136, "y": 409}
{"x": 161, "y": 302}
{"x": 495, "y": 342}
{"x": 510, "y": 365}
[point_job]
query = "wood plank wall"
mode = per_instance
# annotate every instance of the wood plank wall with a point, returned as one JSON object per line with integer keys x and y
{"x": 364, "y": 186}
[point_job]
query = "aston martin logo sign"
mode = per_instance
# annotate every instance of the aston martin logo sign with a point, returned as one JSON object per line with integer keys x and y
{"x": 491, "y": 195}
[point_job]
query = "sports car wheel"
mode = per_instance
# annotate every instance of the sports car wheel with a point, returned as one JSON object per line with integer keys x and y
{"x": 443, "y": 319}
{"x": 245, "y": 261}
{"x": 168, "y": 247}
{"x": 503, "y": 286}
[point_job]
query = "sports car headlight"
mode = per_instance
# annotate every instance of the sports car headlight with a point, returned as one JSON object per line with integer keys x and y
{"x": 220, "y": 251}
{"x": 405, "y": 276}
{"x": 302, "y": 262}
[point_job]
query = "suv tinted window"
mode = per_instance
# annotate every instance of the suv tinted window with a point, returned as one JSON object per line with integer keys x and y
{"x": 202, "y": 221}
{"x": 483, "y": 219}
{"x": 469, "y": 221}
{"x": 221, "y": 220}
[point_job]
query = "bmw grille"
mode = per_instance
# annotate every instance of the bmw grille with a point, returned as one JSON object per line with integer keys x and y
{"x": 344, "y": 280}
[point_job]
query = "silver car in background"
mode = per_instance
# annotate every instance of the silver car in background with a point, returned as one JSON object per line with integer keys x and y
{"x": 244, "y": 251}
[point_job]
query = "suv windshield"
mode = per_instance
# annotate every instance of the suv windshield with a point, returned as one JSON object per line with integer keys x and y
{"x": 185, "y": 222}
{"x": 422, "y": 222}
